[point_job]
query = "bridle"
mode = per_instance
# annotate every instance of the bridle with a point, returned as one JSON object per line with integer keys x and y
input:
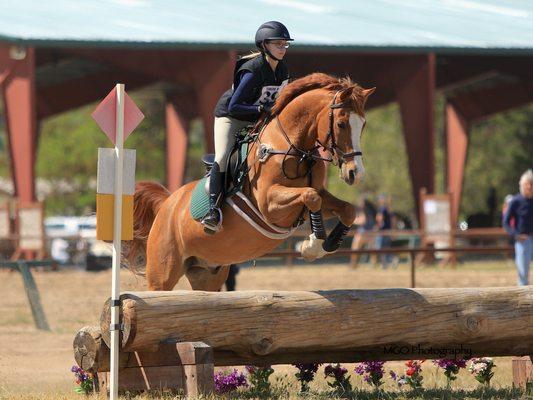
{"x": 334, "y": 149}
{"x": 338, "y": 157}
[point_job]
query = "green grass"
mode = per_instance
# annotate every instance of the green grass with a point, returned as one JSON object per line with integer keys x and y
{"x": 281, "y": 393}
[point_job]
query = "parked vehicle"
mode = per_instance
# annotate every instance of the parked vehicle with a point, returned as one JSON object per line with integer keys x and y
{"x": 80, "y": 233}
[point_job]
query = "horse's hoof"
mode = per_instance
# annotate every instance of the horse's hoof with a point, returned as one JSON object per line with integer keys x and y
{"x": 309, "y": 258}
{"x": 307, "y": 251}
{"x": 312, "y": 249}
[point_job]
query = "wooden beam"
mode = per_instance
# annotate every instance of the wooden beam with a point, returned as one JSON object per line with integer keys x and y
{"x": 484, "y": 102}
{"x": 277, "y": 327}
{"x": 211, "y": 80}
{"x": 415, "y": 91}
{"x": 457, "y": 132}
{"x": 55, "y": 99}
{"x": 18, "y": 92}
{"x": 178, "y": 113}
{"x": 452, "y": 70}
{"x": 164, "y": 65}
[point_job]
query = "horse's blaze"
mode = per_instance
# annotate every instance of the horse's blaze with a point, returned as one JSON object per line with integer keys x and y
{"x": 356, "y": 124}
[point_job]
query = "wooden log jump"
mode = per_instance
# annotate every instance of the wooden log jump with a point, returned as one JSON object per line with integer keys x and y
{"x": 187, "y": 367}
{"x": 90, "y": 351}
{"x": 271, "y": 327}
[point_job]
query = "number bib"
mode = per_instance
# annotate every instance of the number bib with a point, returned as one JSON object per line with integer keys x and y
{"x": 269, "y": 93}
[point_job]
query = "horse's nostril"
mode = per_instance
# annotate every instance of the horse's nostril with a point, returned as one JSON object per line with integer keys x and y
{"x": 351, "y": 174}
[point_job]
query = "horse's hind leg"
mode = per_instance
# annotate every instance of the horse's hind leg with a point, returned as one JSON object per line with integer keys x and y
{"x": 208, "y": 279}
{"x": 163, "y": 259}
{"x": 165, "y": 275}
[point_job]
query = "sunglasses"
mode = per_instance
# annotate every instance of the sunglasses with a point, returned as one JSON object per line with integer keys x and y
{"x": 280, "y": 44}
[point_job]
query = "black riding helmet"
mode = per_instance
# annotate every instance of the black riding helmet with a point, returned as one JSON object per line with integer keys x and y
{"x": 271, "y": 30}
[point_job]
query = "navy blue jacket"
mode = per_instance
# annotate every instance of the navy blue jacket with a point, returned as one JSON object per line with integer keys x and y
{"x": 521, "y": 209}
{"x": 254, "y": 84}
{"x": 386, "y": 222}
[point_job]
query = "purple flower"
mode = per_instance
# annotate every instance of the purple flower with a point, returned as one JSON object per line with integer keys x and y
{"x": 451, "y": 367}
{"x": 446, "y": 363}
{"x": 335, "y": 371}
{"x": 370, "y": 367}
{"x": 372, "y": 372}
{"x": 305, "y": 374}
{"x": 393, "y": 375}
{"x": 311, "y": 367}
{"x": 225, "y": 383}
{"x": 83, "y": 379}
{"x": 341, "y": 384}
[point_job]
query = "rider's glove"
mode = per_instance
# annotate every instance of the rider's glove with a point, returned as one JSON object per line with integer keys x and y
{"x": 264, "y": 108}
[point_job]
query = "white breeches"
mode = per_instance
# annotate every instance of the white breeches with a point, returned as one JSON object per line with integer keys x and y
{"x": 226, "y": 129}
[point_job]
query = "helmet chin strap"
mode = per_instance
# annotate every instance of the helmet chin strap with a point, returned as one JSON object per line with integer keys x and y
{"x": 270, "y": 54}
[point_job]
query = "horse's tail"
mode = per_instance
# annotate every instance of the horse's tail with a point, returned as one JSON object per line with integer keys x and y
{"x": 146, "y": 203}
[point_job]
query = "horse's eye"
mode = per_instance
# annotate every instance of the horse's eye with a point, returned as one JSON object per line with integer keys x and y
{"x": 341, "y": 125}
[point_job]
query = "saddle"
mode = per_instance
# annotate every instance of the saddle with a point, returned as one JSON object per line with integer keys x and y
{"x": 236, "y": 174}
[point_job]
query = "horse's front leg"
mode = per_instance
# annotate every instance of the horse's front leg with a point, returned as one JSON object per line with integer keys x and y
{"x": 282, "y": 203}
{"x": 346, "y": 214}
{"x": 341, "y": 209}
{"x": 319, "y": 244}
{"x": 283, "y": 200}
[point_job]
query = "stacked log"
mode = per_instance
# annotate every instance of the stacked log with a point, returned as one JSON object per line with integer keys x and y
{"x": 90, "y": 351}
{"x": 277, "y": 327}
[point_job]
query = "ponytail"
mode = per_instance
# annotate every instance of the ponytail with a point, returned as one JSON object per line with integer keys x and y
{"x": 252, "y": 54}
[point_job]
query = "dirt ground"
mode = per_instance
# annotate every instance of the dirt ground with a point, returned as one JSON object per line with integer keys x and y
{"x": 32, "y": 361}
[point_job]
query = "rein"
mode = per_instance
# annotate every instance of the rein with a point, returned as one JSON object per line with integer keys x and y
{"x": 312, "y": 155}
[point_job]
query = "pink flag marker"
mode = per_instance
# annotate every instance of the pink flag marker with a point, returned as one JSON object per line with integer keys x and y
{"x": 105, "y": 115}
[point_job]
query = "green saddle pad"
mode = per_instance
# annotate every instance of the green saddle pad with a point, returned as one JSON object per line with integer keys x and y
{"x": 199, "y": 200}
{"x": 199, "y": 205}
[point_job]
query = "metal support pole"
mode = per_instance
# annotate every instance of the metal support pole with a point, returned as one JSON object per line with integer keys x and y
{"x": 117, "y": 231}
{"x": 413, "y": 267}
{"x": 33, "y": 297}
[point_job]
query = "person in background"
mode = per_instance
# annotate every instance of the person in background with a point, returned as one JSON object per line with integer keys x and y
{"x": 521, "y": 211}
{"x": 505, "y": 207}
{"x": 506, "y": 202}
{"x": 231, "y": 280}
{"x": 365, "y": 221}
{"x": 383, "y": 223}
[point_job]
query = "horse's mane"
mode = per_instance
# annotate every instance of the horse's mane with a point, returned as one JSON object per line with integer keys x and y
{"x": 319, "y": 81}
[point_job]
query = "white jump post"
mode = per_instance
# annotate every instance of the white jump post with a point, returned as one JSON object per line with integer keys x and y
{"x": 117, "y": 115}
{"x": 117, "y": 242}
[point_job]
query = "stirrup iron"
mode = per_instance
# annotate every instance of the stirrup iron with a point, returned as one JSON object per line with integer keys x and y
{"x": 209, "y": 228}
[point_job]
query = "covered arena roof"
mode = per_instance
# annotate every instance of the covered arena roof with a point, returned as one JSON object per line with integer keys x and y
{"x": 410, "y": 25}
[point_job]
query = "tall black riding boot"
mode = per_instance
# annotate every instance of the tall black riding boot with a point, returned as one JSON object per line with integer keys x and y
{"x": 213, "y": 220}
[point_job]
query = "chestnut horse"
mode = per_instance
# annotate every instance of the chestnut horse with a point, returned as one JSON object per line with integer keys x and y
{"x": 316, "y": 111}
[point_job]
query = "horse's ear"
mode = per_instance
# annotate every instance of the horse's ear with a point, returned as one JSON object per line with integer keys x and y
{"x": 345, "y": 94}
{"x": 368, "y": 92}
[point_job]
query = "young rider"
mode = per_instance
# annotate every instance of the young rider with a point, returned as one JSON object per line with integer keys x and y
{"x": 256, "y": 82}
